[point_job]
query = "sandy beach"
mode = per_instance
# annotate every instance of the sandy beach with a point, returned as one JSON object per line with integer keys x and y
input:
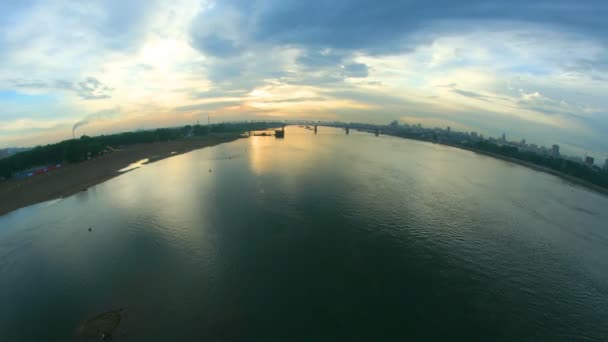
{"x": 72, "y": 178}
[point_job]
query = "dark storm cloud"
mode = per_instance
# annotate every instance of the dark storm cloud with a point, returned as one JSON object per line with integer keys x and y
{"x": 216, "y": 46}
{"x": 328, "y": 35}
{"x": 318, "y": 58}
{"x": 381, "y": 26}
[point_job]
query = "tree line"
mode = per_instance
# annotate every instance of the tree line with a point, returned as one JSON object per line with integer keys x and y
{"x": 85, "y": 147}
{"x": 565, "y": 166}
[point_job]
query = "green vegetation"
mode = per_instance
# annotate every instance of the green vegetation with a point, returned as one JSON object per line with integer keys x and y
{"x": 76, "y": 150}
{"x": 567, "y": 167}
{"x": 474, "y": 142}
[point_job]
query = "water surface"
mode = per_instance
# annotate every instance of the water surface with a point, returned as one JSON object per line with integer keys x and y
{"x": 313, "y": 238}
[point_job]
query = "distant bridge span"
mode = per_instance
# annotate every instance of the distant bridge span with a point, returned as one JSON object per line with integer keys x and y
{"x": 336, "y": 124}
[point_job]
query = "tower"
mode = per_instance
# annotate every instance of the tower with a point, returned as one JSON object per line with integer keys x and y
{"x": 555, "y": 151}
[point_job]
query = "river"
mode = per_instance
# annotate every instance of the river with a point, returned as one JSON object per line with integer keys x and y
{"x": 326, "y": 237}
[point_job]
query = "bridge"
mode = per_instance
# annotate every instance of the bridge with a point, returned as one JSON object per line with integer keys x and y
{"x": 376, "y": 129}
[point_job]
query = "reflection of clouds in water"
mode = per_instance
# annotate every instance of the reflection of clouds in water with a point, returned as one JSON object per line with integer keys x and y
{"x": 350, "y": 205}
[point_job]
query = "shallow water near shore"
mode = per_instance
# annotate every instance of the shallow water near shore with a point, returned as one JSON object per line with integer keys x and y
{"x": 135, "y": 165}
{"x": 313, "y": 238}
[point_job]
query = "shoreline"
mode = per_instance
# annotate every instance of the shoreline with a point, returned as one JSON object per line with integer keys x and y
{"x": 73, "y": 178}
{"x": 539, "y": 168}
{"x": 581, "y": 182}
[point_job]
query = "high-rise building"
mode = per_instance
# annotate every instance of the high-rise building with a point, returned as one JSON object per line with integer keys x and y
{"x": 555, "y": 151}
{"x": 449, "y": 129}
{"x": 589, "y": 161}
{"x": 503, "y": 138}
{"x": 606, "y": 165}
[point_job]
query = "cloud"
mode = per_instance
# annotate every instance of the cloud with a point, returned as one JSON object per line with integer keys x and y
{"x": 471, "y": 94}
{"x": 216, "y": 46}
{"x": 356, "y": 70}
{"x": 350, "y": 60}
{"x": 92, "y": 89}
{"x": 217, "y": 92}
{"x": 297, "y": 99}
{"x": 316, "y": 58}
{"x": 88, "y": 89}
{"x": 24, "y": 83}
{"x": 207, "y": 106}
{"x": 358, "y": 24}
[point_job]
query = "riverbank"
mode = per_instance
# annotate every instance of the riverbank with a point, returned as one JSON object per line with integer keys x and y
{"x": 536, "y": 167}
{"x": 73, "y": 178}
{"x": 540, "y": 168}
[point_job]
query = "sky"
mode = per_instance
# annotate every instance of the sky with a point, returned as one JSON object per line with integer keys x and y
{"x": 531, "y": 69}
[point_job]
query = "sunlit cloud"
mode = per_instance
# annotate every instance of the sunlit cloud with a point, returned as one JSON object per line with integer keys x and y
{"x": 536, "y": 70}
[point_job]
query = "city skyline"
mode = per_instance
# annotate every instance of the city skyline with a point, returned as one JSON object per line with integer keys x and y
{"x": 534, "y": 71}
{"x": 553, "y": 150}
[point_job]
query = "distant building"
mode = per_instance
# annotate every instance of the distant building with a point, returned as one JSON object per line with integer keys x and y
{"x": 589, "y": 160}
{"x": 606, "y": 165}
{"x": 522, "y": 143}
{"x": 449, "y": 129}
{"x": 503, "y": 138}
{"x": 395, "y": 124}
{"x": 555, "y": 151}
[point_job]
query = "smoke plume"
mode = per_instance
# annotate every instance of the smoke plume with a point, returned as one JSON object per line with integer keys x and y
{"x": 98, "y": 116}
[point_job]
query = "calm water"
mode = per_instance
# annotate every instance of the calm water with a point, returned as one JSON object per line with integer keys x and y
{"x": 313, "y": 238}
